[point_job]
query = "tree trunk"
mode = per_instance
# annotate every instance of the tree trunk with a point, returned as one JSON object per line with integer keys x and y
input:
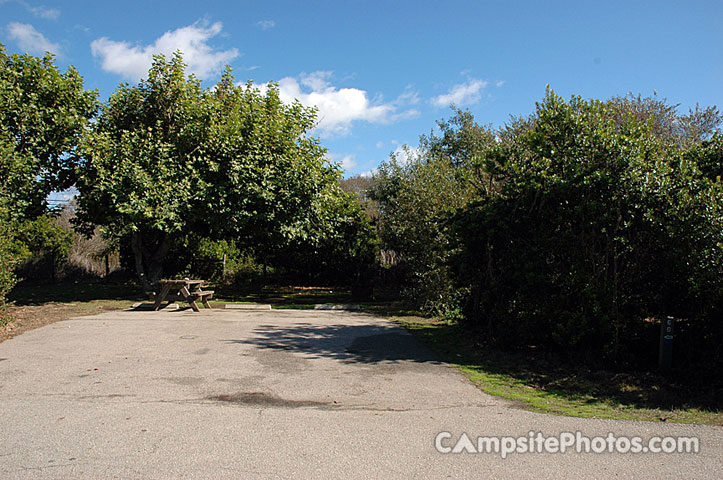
{"x": 149, "y": 264}
{"x": 136, "y": 244}
{"x": 616, "y": 280}
{"x": 489, "y": 281}
{"x": 53, "y": 269}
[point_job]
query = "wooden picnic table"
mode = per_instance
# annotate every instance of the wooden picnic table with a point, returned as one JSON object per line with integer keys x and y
{"x": 187, "y": 290}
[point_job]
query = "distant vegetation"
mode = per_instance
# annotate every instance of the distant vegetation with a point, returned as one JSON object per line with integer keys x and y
{"x": 574, "y": 230}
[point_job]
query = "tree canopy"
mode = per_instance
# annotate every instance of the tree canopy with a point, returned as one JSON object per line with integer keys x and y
{"x": 167, "y": 157}
{"x": 43, "y": 113}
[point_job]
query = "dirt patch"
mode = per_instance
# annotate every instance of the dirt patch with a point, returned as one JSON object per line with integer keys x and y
{"x": 30, "y": 317}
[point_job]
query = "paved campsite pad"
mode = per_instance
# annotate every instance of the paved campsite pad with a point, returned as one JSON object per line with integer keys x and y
{"x": 274, "y": 394}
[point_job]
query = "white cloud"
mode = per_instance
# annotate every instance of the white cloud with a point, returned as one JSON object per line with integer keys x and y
{"x": 41, "y": 11}
{"x": 31, "y": 40}
{"x": 409, "y": 97}
{"x": 407, "y": 114}
{"x": 44, "y": 12}
{"x": 466, "y": 93}
{"x": 133, "y": 62}
{"x": 369, "y": 173}
{"x": 339, "y": 108}
{"x": 347, "y": 162}
{"x": 266, "y": 24}
{"x": 405, "y": 154}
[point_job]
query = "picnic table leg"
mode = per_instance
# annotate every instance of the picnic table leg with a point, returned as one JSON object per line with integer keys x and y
{"x": 190, "y": 299}
{"x": 161, "y": 296}
{"x": 193, "y": 305}
{"x": 204, "y": 299}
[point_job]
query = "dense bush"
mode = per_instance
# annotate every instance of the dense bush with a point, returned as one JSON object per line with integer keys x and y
{"x": 48, "y": 244}
{"x": 576, "y": 228}
{"x": 599, "y": 225}
{"x": 338, "y": 246}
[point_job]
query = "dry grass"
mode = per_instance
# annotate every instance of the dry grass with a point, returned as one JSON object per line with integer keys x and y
{"x": 40, "y": 305}
{"x": 30, "y": 317}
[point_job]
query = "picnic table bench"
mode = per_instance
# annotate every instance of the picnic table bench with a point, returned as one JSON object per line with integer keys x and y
{"x": 187, "y": 290}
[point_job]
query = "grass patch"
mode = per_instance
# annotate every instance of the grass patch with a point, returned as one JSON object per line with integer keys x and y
{"x": 293, "y": 306}
{"x": 299, "y": 298}
{"x": 286, "y": 295}
{"x": 543, "y": 383}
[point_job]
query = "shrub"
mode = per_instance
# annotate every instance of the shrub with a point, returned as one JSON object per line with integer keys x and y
{"x": 597, "y": 226}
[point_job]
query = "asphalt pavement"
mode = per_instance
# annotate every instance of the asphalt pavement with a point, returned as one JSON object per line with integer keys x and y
{"x": 285, "y": 394}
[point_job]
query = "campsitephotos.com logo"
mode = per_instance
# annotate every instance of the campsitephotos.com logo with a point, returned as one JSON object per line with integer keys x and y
{"x": 536, "y": 442}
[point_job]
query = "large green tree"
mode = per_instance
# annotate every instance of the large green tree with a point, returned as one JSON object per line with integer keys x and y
{"x": 43, "y": 113}
{"x": 168, "y": 157}
{"x": 143, "y": 160}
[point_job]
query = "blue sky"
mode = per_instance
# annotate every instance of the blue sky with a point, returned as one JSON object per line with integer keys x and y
{"x": 382, "y": 72}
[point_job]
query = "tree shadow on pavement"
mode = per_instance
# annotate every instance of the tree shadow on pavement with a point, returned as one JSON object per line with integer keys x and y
{"x": 347, "y": 343}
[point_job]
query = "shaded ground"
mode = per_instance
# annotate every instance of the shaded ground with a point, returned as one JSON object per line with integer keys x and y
{"x": 26, "y": 295}
{"x": 293, "y": 296}
{"x": 544, "y": 382}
